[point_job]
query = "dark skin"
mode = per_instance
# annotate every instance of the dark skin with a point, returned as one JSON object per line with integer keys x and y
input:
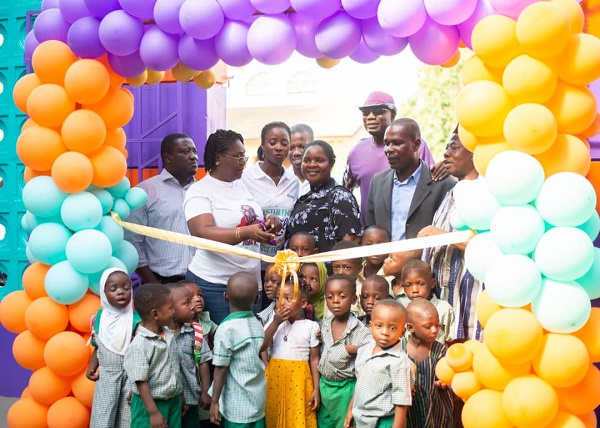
{"x": 373, "y": 237}
{"x": 297, "y": 145}
{"x": 276, "y": 148}
{"x": 340, "y": 296}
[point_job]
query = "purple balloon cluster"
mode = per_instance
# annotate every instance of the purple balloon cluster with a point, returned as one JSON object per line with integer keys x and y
{"x": 157, "y": 34}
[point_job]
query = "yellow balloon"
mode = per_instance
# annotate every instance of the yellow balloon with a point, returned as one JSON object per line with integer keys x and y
{"x": 473, "y": 345}
{"x": 494, "y": 40}
{"x": 482, "y": 156}
{"x": 560, "y": 368}
{"x": 529, "y": 80}
{"x": 485, "y": 306}
{"x": 206, "y": 79}
{"x": 529, "y": 402}
{"x": 543, "y": 29}
{"x": 154, "y": 76}
{"x": 575, "y": 13}
{"x": 566, "y": 420}
{"x": 465, "y": 384}
{"x": 530, "y": 128}
{"x": 574, "y": 108}
{"x": 443, "y": 371}
{"x": 484, "y": 410}
{"x": 325, "y": 62}
{"x": 183, "y": 73}
{"x": 459, "y": 357}
{"x": 481, "y": 108}
{"x": 475, "y": 69}
{"x": 492, "y": 373}
{"x": 580, "y": 62}
{"x": 138, "y": 80}
{"x": 589, "y": 419}
{"x": 513, "y": 335}
{"x": 568, "y": 154}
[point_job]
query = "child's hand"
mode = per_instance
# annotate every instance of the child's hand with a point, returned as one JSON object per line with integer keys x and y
{"x": 440, "y": 384}
{"x": 92, "y": 375}
{"x": 215, "y": 418}
{"x": 281, "y": 314}
{"x": 315, "y": 400}
{"x": 348, "y": 421}
{"x": 157, "y": 420}
{"x": 204, "y": 402}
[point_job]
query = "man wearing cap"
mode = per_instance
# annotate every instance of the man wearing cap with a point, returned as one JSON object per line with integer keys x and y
{"x": 367, "y": 158}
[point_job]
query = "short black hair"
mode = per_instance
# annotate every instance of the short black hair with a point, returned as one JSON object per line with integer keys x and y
{"x": 379, "y": 280}
{"x": 303, "y": 233}
{"x": 217, "y": 143}
{"x": 343, "y": 277}
{"x": 326, "y": 148}
{"x": 302, "y": 285}
{"x": 391, "y": 303}
{"x": 303, "y": 128}
{"x": 167, "y": 144}
{"x": 416, "y": 264}
{"x": 409, "y": 124}
{"x": 343, "y": 245}
{"x": 242, "y": 289}
{"x": 150, "y": 296}
{"x": 375, "y": 227}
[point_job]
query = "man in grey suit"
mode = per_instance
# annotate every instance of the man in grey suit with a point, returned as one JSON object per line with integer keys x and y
{"x": 404, "y": 198}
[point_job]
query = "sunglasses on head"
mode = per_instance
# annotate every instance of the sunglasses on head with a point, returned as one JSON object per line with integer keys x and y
{"x": 376, "y": 110}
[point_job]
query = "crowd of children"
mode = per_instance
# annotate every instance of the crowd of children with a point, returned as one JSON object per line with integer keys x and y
{"x": 352, "y": 343}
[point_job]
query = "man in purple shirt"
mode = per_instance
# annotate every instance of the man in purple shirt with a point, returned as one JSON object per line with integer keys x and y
{"x": 367, "y": 158}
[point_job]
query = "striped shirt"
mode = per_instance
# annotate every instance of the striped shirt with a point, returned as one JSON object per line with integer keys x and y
{"x": 185, "y": 347}
{"x": 162, "y": 210}
{"x": 455, "y": 284}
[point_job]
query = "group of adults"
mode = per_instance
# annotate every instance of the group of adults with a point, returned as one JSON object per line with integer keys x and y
{"x": 401, "y": 189}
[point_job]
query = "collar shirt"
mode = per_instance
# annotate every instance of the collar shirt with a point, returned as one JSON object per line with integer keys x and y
{"x": 402, "y": 194}
{"x": 185, "y": 347}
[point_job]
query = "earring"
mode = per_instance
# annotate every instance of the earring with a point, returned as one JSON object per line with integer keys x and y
{"x": 217, "y": 163}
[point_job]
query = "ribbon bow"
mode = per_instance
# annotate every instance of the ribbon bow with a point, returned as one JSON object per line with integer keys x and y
{"x": 287, "y": 264}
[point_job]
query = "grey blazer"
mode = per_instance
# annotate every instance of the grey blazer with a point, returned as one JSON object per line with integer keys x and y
{"x": 427, "y": 198}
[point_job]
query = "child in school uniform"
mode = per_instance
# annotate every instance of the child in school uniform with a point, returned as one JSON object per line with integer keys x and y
{"x": 418, "y": 282}
{"x": 315, "y": 275}
{"x": 350, "y": 267}
{"x": 383, "y": 376}
{"x": 112, "y": 331}
{"x": 292, "y": 376}
{"x": 239, "y": 388}
{"x": 202, "y": 317}
{"x": 375, "y": 288}
{"x": 432, "y": 405}
{"x": 303, "y": 243}
{"x": 271, "y": 288}
{"x": 341, "y": 334}
{"x": 152, "y": 362}
{"x": 393, "y": 264}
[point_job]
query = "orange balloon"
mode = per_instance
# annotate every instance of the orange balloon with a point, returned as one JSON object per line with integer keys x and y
{"x": 45, "y": 318}
{"x": 567, "y": 154}
{"x": 589, "y": 335}
{"x": 459, "y": 357}
{"x": 12, "y": 311}
{"x": 38, "y": 147}
{"x": 589, "y": 420}
{"x": 116, "y": 108}
{"x": 325, "y": 62}
{"x": 66, "y": 353}
{"x": 443, "y": 371}
{"x": 109, "y": 166}
{"x": 528, "y": 401}
{"x": 582, "y": 397}
{"x": 484, "y": 153}
{"x": 23, "y": 88}
{"x": 72, "y": 172}
{"x": 49, "y": 105}
{"x": 33, "y": 280}
{"x": 492, "y": 373}
{"x": 46, "y": 387}
{"x": 593, "y": 130}
{"x": 116, "y": 80}
{"x": 485, "y": 307}
{"x": 29, "y": 123}
{"x": 83, "y": 389}
{"x": 83, "y": 131}
{"x": 452, "y": 61}
{"x": 26, "y": 413}
{"x": 68, "y": 412}
{"x": 51, "y": 60}
{"x": 28, "y": 351}
{"x": 116, "y": 138}
{"x": 80, "y": 313}
{"x": 465, "y": 384}
{"x": 574, "y": 107}
{"x": 484, "y": 410}
{"x": 26, "y": 393}
{"x": 87, "y": 81}
{"x": 29, "y": 173}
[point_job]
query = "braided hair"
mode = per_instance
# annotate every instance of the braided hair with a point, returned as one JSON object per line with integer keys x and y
{"x": 217, "y": 143}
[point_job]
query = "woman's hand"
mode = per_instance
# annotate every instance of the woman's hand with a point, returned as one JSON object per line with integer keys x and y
{"x": 256, "y": 233}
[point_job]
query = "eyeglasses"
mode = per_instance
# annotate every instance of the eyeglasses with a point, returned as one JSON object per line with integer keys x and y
{"x": 376, "y": 110}
{"x": 242, "y": 160}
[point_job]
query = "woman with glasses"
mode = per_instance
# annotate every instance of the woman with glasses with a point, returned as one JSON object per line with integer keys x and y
{"x": 220, "y": 207}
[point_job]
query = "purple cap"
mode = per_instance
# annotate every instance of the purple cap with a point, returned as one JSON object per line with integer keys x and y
{"x": 378, "y": 98}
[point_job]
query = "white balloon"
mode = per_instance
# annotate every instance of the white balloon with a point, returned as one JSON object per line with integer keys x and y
{"x": 480, "y": 253}
{"x": 517, "y": 229}
{"x": 476, "y": 205}
{"x": 562, "y": 307}
{"x": 513, "y": 280}
{"x": 564, "y": 253}
{"x": 514, "y": 178}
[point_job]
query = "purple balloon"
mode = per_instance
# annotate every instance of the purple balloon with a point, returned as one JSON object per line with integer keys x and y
{"x": 231, "y": 43}
{"x": 201, "y": 19}
{"x": 483, "y": 9}
{"x": 271, "y": 6}
{"x": 128, "y": 65}
{"x": 510, "y": 8}
{"x": 271, "y": 39}
{"x": 121, "y": 33}
{"x": 379, "y": 41}
{"x": 83, "y": 38}
{"x": 434, "y": 44}
{"x": 338, "y": 36}
{"x": 101, "y": 8}
{"x": 305, "y": 35}
{"x": 51, "y": 25}
{"x": 166, "y": 15}
{"x": 143, "y": 9}
{"x": 72, "y": 10}
{"x": 197, "y": 54}
{"x": 158, "y": 50}
{"x": 363, "y": 54}
{"x": 49, "y": 4}
{"x": 237, "y": 9}
{"x": 316, "y": 9}
{"x": 450, "y": 12}
{"x": 361, "y": 9}
{"x": 401, "y": 18}
{"x": 30, "y": 44}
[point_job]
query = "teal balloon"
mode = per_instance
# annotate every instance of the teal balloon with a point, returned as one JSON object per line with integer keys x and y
{"x": 136, "y": 197}
{"x": 42, "y": 197}
{"x": 127, "y": 253}
{"x": 81, "y": 211}
{"x": 475, "y": 204}
{"x": 513, "y": 280}
{"x": 591, "y": 280}
{"x": 48, "y": 241}
{"x": 564, "y": 253}
{"x": 64, "y": 284}
{"x": 514, "y": 178}
{"x": 105, "y": 198}
{"x": 456, "y": 222}
{"x": 480, "y": 253}
{"x": 517, "y": 229}
{"x": 561, "y": 307}
{"x": 29, "y": 256}
{"x": 120, "y": 189}
{"x": 24, "y": 224}
{"x": 88, "y": 251}
{"x": 566, "y": 199}
{"x": 94, "y": 278}
{"x": 34, "y": 221}
{"x": 592, "y": 226}
{"x": 112, "y": 230}
{"x": 122, "y": 208}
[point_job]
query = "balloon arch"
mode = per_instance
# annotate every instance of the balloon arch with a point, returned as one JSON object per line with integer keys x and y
{"x": 525, "y": 112}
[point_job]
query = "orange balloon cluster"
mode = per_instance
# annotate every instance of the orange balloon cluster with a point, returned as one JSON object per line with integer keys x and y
{"x": 74, "y": 105}
{"x": 525, "y": 88}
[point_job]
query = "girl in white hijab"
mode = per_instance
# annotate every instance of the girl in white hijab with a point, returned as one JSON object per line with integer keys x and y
{"x": 111, "y": 335}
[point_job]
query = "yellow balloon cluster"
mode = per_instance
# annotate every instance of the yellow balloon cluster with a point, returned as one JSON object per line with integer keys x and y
{"x": 525, "y": 87}
{"x": 204, "y": 79}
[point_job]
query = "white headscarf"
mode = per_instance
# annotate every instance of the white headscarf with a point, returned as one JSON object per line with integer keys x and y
{"x": 116, "y": 325}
